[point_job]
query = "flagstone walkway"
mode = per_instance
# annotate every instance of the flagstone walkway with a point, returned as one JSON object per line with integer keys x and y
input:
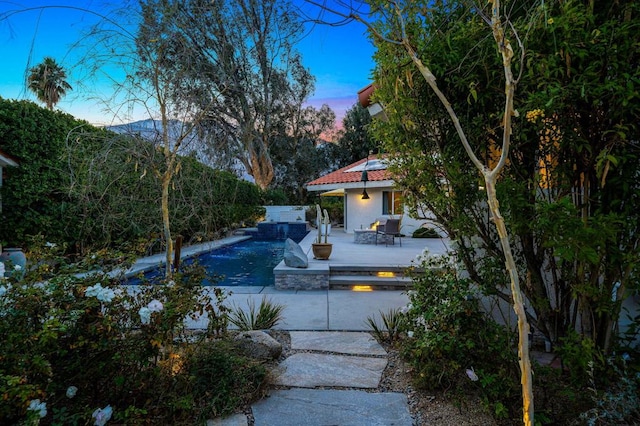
{"x": 331, "y": 378}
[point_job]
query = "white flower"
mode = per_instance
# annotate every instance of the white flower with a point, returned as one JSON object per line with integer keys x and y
{"x": 50, "y": 245}
{"x": 102, "y": 415}
{"x": 410, "y": 334}
{"x": 106, "y": 295}
{"x": 406, "y": 308}
{"x": 40, "y": 407}
{"x": 171, "y": 283}
{"x": 71, "y": 391}
{"x": 472, "y": 374}
{"x": 17, "y": 267}
{"x": 3, "y": 290}
{"x": 102, "y": 294}
{"x": 155, "y": 305}
{"x": 145, "y": 315}
{"x": 93, "y": 290}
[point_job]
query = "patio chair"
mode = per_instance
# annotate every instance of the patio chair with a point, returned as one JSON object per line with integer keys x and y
{"x": 391, "y": 227}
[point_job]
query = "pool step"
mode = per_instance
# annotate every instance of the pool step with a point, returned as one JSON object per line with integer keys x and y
{"x": 378, "y": 277}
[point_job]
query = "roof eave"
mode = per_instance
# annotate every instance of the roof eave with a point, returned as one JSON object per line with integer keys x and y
{"x": 389, "y": 183}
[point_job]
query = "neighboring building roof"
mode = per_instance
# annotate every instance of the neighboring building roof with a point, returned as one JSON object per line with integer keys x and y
{"x": 364, "y": 95}
{"x": 351, "y": 175}
{"x": 6, "y": 160}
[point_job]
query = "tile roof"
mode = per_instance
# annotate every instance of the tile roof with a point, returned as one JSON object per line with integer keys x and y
{"x": 343, "y": 176}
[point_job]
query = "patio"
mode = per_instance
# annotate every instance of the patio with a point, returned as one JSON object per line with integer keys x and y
{"x": 332, "y": 307}
{"x": 352, "y": 263}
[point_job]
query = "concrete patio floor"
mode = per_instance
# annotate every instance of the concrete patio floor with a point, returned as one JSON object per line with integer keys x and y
{"x": 347, "y": 252}
{"x": 340, "y": 310}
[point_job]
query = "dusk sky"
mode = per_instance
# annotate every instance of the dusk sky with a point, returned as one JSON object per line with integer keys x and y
{"x": 339, "y": 57}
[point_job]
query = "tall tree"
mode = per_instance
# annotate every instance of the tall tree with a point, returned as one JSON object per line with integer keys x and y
{"x": 396, "y": 25}
{"x": 568, "y": 187}
{"x": 568, "y": 192}
{"x": 48, "y": 82}
{"x": 298, "y": 157}
{"x": 355, "y": 141}
{"x": 162, "y": 42}
{"x": 248, "y": 74}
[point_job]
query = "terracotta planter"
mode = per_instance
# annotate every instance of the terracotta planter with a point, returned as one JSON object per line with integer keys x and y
{"x": 321, "y": 251}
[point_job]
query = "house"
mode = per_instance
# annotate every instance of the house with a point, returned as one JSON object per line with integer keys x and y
{"x": 5, "y": 161}
{"x": 369, "y": 194}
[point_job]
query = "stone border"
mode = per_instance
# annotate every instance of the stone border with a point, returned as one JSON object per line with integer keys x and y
{"x": 286, "y": 278}
{"x": 368, "y": 236}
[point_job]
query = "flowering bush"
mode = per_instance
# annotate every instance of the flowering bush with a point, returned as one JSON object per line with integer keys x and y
{"x": 452, "y": 344}
{"x": 82, "y": 349}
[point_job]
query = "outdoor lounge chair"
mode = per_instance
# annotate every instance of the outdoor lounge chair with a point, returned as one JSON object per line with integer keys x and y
{"x": 391, "y": 227}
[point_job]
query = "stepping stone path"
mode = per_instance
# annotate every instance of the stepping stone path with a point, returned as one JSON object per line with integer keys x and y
{"x": 331, "y": 380}
{"x": 315, "y": 407}
{"x": 350, "y": 364}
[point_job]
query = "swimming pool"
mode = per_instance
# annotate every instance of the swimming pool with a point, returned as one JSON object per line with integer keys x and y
{"x": 248, "y": 263}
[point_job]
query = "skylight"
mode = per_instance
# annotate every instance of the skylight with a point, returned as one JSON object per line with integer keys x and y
{"x": 371, "y": 165}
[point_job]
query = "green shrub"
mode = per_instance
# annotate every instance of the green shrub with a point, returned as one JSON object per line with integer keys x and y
{"x": 579, "y": 356}
{"x": 619, "y": 403}
{"x": 90, "y": 188}
{"x": 275, "y": 197}
{"x": 425, "y": 233}
{"x": 267, "y": 315}
{"x": 221, "y": 380}
{"x": 71, "y": 344}
{"x": 454, "y": 346}
{"x": 393, "y": 325}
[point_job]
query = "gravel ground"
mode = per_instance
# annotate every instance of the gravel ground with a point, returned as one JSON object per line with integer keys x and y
{"x": 427, "y": 408}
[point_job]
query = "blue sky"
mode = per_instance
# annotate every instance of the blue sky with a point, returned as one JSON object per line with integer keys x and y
{"x": 339, "y": 57}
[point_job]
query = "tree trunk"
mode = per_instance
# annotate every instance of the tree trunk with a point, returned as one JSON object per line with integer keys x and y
{"x": 166, "y": 182}
{"x": 261, "y": 167}
{"x": 518, "y": 305}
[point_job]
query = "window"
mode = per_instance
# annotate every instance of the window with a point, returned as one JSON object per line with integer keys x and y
{"x": 392, "y": 202}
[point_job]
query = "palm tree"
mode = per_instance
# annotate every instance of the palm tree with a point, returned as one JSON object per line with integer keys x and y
{"x": 47, "y": 82}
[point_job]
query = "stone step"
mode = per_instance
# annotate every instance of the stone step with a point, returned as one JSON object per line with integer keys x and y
{"x": 310, "y": 370}
{"x": 366, "y": 268}
{"x": 295, "y": 407}
{"x": 378, "y": 283}
{"x": 343, "y": 342}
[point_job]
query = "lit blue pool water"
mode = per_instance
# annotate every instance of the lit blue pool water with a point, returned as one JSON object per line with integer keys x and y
{"x": 248, "y": 263}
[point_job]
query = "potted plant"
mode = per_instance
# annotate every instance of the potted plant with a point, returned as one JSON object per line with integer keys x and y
{"x": 322, "y": 250}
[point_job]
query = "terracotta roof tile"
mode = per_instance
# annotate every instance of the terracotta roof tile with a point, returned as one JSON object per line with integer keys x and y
{"x": 342, "y": 176}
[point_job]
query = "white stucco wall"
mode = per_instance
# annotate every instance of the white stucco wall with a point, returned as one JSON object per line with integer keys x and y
{"x": 361, "y": 213}
{"x": 284, "y": 214}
